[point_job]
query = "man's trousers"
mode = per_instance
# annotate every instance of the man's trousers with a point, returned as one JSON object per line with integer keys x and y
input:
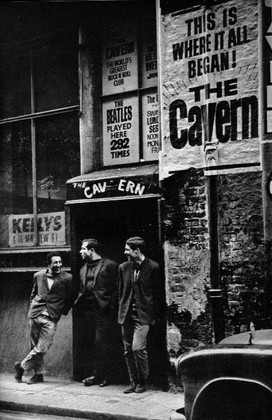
{"x": 42, "y": 331}
{"x": 135, "y": 340}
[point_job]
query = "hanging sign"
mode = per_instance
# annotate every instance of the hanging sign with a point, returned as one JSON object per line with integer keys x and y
{"x": 150, "y": 126}
{"x": 210, "y": 89}
{"x": 135, "y": 186}
{"x": 51, "y": 229}
{"x": 120, "y": 131}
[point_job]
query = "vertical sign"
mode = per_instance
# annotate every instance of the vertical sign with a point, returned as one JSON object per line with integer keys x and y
{"x": 149, "y": 61}
{"x": 267, "y": 53}
{"x": 119, "y": 64}
{"x": 210, "y": 89}
{"x": 120, "y": 131}
{"x": 150, "y": 126}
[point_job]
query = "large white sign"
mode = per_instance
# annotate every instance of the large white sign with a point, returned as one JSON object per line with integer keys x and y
{"x": 210, "y": 89}
{"x": 121, "y": 131}
{"x": 51, "y": 229}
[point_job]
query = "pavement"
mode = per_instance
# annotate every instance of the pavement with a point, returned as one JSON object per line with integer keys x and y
{"x": 66, "y": 398}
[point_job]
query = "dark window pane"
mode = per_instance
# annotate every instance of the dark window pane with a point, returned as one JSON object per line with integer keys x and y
{"x": 55, "y": 75}
{"x": 57, "y": 159}
{"x": 14, "y": 85}
{"x": 15, "y": 177}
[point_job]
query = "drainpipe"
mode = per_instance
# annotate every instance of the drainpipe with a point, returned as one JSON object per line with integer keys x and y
{"x": 215, "y": 293}
{"x": 266, "y": 147}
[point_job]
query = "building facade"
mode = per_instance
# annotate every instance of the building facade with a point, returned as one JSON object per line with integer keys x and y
{"x": 126, "y": 118}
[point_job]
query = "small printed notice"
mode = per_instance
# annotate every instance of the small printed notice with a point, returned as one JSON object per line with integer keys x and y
{"x": 149, "y": 62}
{"x": 51, "y": 229}
{"x": 120, "y": 64}
{"x": 150, "y": 126}
{"x": 120, "y": 131}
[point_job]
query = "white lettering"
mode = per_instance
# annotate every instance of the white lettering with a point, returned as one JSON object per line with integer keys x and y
{"x": 121, "y": 185}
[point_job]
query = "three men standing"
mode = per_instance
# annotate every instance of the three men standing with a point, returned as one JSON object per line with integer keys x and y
{"x": 138, "y": 287}
{"x": 138, "y": 291}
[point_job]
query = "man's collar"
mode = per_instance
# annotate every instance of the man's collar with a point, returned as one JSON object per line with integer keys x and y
{"x": 51, "y": 275}
{"x": 137, "y": 265}
{"x": 93, "y": 262}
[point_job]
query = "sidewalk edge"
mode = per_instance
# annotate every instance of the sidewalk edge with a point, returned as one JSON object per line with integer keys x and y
{"x": 66, "y": 412}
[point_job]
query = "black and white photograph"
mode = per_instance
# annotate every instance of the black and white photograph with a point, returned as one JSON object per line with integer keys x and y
{"x": 136, "y": 210}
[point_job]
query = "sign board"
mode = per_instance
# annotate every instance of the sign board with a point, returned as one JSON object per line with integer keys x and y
{"x": 51, "y": 229}
{"x": 150, "y": 113}
{"x": 210, "y": 89}
{"x": 149, "y": 61}
{"x": 119, "y": 63}
{"x": 135, "y": 186}
{"x": 120, "y": 131}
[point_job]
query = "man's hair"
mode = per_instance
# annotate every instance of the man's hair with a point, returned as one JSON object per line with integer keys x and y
{"x": 93, "y": 243}
{"x": 51, "y": 255}
{"x": 137, "y": 242}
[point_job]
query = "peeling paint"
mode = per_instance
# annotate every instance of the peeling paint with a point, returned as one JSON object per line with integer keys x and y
{"x": 173, "y": 339}
{"x": 192, "y": 271}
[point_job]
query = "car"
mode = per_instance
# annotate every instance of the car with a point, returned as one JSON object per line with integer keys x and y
{"x": 231, "y": 380}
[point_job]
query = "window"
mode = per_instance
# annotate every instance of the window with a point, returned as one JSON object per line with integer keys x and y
{"x": 39, "y": 135}
{"x": 129, "y": 87}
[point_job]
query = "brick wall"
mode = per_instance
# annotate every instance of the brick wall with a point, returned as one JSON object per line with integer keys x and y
{"x": 187, "y": 257}
{"x": 186, "y": 251}
{"x": 241, "y": 250}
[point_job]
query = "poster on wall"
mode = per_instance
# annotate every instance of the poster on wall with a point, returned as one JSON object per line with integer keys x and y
{"x": 210, "y": 89}
{"x": 51, "y": 229}
{"x": 120, "y": 131}
{"x": 150, "y": 119}
{"x": 119, "y": 62}
{"x": 149, "y": 61}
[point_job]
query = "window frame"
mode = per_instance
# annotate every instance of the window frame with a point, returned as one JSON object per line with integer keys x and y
{"x": 32, "y": 118}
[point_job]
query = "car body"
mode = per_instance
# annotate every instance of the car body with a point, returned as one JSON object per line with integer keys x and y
{"x": 231, "y": 380}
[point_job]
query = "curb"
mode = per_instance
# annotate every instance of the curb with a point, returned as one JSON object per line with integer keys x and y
{"x": 66, "y": 412}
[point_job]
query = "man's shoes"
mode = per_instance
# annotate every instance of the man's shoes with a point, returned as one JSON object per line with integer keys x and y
{"x": 131, "y": 388}
{"x": 103, "y": 383}
{"x": 38, "y": 377}
{"x": 19, "y": 371}
{"x": 91, "y": 380}
{"x": 140, "y": 388}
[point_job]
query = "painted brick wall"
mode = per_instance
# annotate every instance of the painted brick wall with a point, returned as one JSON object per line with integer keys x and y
{"x": 187, "y": 257}
{"x": 241, "y": 250}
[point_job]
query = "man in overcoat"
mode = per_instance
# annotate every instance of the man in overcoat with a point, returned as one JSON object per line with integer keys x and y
{"x": 138, "y": 309}
{"x": 95, "y": 306}
{"x": 51, "y": 297}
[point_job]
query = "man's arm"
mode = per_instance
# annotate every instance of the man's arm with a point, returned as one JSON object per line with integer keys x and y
{"x": 34, "y": 290}
{"x": 114, "y": 287}
{"x": 158, "y": 294}
{"x": 69, "y": 296}
{"x": 120, "y": 283}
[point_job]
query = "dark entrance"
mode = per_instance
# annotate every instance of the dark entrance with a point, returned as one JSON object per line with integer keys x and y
{"x": 112, "y": 222}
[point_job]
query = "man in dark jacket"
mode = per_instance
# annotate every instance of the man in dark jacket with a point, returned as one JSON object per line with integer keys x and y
{"x": 138, "y": 303}
{"x": 95, "y": 306}
{"x": 50, "y": 298}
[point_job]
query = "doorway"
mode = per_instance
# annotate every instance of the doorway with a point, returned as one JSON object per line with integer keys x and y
{"x": 112, "y": 222}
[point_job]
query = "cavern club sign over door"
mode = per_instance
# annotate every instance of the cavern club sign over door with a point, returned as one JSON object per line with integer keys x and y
{"x": 210, "y": 89}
